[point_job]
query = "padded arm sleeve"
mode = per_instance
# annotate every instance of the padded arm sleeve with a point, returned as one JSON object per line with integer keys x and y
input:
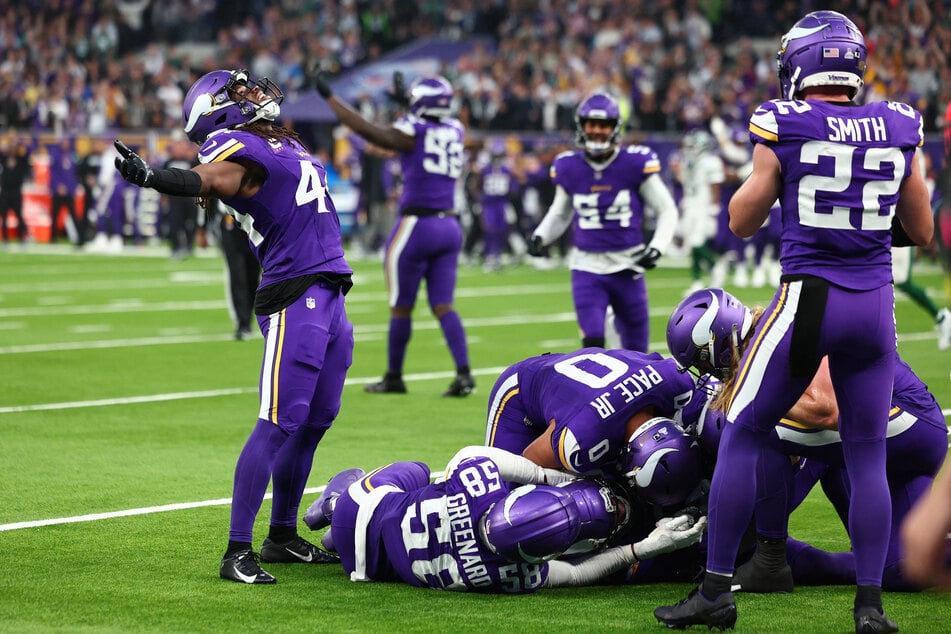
{"x": 176, "y": 182}
{"x": 657, "y": 197}
{"x": 589, "y": 570}
{"x": 512, "y": 467}
{"x": 557, "y": 218}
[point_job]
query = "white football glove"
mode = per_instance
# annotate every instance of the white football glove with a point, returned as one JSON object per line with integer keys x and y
{"x": 672, "y": 533}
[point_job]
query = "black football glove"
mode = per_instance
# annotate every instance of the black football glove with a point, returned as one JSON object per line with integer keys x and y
{"x": 398, "y": 94}
{"x": 321, "y": 85}
{"x": 646, "y": 258}
{"x": 535, "y": 248}
{"x": 132, "y": 166}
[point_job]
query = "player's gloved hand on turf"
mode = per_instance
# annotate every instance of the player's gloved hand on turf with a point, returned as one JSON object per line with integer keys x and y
{"x": 398, "y": 93}
{"x": 321, "y": 85}
{"x": 645, "y": 258}
{"x": 132, "y": 166}
{"x": 535, "y": 248}
{"x": 671, "y": 533}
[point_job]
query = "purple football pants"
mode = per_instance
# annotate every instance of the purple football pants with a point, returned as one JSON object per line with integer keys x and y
{"x": 308, "y": 348}
{"x": 592, "y": 293}
{"x": 423, "y": 248}
{"x": 806, "y": 320}
{"x": 359, "y": 539}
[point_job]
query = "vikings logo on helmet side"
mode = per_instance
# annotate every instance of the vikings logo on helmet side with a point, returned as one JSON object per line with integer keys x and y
{"x": 220, "y": 99}
{"x": 662, "y": 463}
{"x": 431, "y": 97}
{"x": 705, "y": 327}
{"x": 532, "y": 524}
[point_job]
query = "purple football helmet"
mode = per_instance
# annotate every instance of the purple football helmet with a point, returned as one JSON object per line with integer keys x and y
{"x": 662, "y": 463}
{"x": 497, "y": 149}
{"x": 431, "y": 97}
{"x": 704, "y": 328}
{"x": 598, "y": 107}
{"x": 602, "y": 509}
{"x": 532, "y": 524}
{"x": 220, "y": 99}
{"x": 824, "y": 48}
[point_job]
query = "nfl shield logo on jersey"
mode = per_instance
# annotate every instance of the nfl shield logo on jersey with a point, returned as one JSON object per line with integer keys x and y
{"x": 311, "y": 303}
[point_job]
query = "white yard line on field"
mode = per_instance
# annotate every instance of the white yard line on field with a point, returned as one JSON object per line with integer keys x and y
{"x": 177, "y": 396}
{"x": 179, "y": 506}
{"x": 364, "y": 332}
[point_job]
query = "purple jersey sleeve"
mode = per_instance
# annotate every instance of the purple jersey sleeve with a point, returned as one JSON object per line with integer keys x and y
{"x": 432, "y": 167}
{"x": 435, "y": 541}
{"x": 590, "y": 395}
{"x": 291, "y": 221}
{"x": 608, "y": 208}
{"x": 842, "y": 168}
{"x": 911, "y": 394}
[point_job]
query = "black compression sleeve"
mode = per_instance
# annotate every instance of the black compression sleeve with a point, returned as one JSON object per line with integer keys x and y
{"x": 176, "y": 182}
{"x": 899, "y": 237}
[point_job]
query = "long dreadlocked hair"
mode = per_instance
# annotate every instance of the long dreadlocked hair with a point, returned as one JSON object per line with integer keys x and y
{"x": 269, "y": 130}
{"x": 265, "y": 130}
{"x": 723, "y": 399}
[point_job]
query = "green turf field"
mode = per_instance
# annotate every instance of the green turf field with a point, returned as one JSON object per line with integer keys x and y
{"x": 125, "y": 402}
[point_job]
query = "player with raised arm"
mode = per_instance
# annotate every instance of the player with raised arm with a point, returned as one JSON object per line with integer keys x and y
{"x": 278, "y": 193}
{"x": 427, "y": 239}
{"x": 604, "y": 190}
{"x": 842, "y": 173}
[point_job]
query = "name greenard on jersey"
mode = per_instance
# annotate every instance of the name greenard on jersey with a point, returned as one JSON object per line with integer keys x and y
{"x": 464, "y": 537}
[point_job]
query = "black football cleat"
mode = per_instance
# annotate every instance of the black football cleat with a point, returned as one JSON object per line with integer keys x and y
{"x": 752, "y": 576}
{"x": 243, "y": 567}
{"x": 696, "y": 609}
{"x": 319, "y": 514}
{"x": 869, "y": 620}
{"x": 296, "y": 551}
{"x": 389, "y": 385}
{"x": 462, "y": 385}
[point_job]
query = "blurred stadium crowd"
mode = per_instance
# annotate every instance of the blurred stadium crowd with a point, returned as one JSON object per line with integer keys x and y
{"x": 93, "y": 70}
{"x": 86, "y": 66}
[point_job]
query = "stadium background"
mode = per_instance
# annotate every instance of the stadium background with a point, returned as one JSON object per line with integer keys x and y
{"x": 86, "y": 70}
{"x": 125, "y": 399}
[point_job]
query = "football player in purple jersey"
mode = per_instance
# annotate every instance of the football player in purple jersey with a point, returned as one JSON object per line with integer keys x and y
{"x": 576, "y": 411}
{"x": 427, "y": 239}
{"x": 842, "y": 173}
{"x": 494, "y": 523}
{"x": 497, "y": 185}
{"x": 700, "y": 335}
{"x": 278, "y": 193}
{"x": 604, "y": 190}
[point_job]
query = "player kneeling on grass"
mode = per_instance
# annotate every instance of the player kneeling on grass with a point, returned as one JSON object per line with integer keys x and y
{"x": 502, "y": 521}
